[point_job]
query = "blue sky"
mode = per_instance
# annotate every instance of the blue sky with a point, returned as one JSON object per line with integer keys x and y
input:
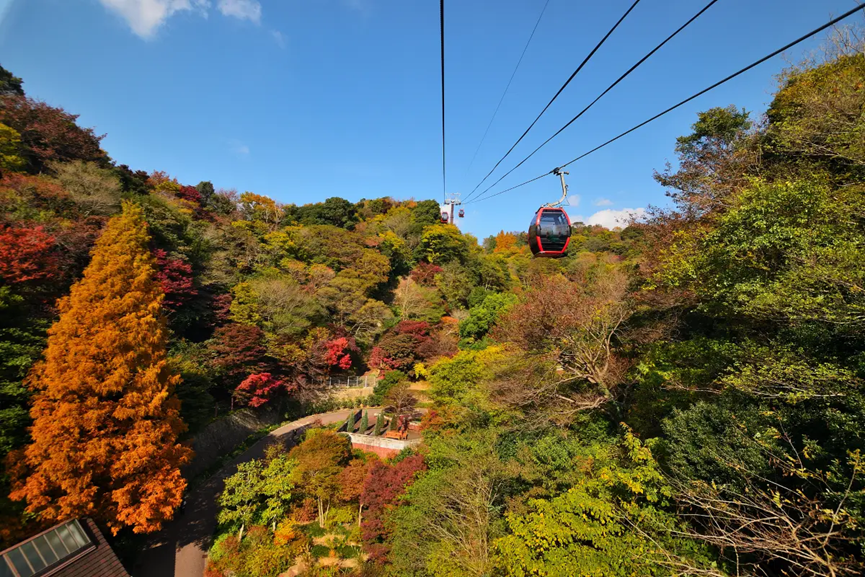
{"x": 305, "y": 99}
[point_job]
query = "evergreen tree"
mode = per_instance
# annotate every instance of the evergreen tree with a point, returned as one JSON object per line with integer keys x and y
{"x": 364, "y": 423}
{"x": 105, "y": 418}
{"x": 349, "y": 424}
{"x": 379, "y": 424}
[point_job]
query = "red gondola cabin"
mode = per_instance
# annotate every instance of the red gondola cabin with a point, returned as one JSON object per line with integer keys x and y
{"x": 550, "y": 233}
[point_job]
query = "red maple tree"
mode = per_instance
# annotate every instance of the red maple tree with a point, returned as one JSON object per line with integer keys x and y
{"x": 384, "y": 484}
{"x": 175, "y": 277}
{"x": 189, "y": 193}
{"x": 336, "y": 355}
{"x": 257, "y": 390}
{"x": 27, "y": 254}
{"x": 425, "y": 273}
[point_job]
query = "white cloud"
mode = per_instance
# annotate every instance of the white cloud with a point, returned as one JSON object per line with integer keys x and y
{"x": 242, "y": 9}
{"x": 603, "y": 202}
{"x": 613, "y": 218}
{"x": 242, "y": 150}
{"x": 146, "y": 16}
{"x": 279, "y": 37}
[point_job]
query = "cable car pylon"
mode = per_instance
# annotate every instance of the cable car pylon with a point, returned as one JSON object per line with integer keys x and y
{"x": 550, "y": 228}
{"x": 450, "y": 202}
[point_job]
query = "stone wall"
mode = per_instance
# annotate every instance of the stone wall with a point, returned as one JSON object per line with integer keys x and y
{"x": 223, "y": 435}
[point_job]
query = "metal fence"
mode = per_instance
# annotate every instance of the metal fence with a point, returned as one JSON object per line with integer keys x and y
{"x": 348, "y": 382}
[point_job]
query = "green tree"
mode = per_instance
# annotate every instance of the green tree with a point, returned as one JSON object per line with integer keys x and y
{"x": 455, "y": 283}
{"x": 241, "y": 498}
{"x": 207, "y": 192}
{"x": 385, "y": 384}
{"x": 613, "y": 521}
{"x": 483, "y": 316}
{"x": 452, "y": 513}
{"x": 443, "y": 243}
{"x": 427, "y": 212}
{"x": 364, "y": 423}
{"x": 334, "y": 211}
{"x": 814, "y": 114}
{"x": 379, "y": 424}
{"x": 10, "y": 84}
{"x": 259, "y": 492}
{"x": 713, "y": 159}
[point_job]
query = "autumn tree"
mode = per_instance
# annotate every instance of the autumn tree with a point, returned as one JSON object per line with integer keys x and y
{"x": 320, "y": 459}
{"x": 238, "y": 350}
{"x": 351, "y": 480}
{"x": 384, "y": 484}
{"x": 414, "y": 301}
{"x": 96, "y": 190}
{"x": 400, "y": 401}
{"x": 48, "y": 133}
{"x": 175, "y": 278}
{"x": 505, "y": 242}
{"x": 260, "y": 209}
{"x": 570, "y": 328}
{"x": 425, "y": 273}
{"x": 257, "y": 390}
{"x": 443, "y": 243}
{"x": 10, "y": 149}
{"x": 27, "y": 254}
{"x": 106, "y": 420}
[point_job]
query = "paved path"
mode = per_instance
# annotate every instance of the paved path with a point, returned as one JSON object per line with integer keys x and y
{"x": 180, "y": 549}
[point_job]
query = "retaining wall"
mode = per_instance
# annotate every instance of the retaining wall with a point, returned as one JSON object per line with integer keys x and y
{"x": 381, "y": 446}
{"x": 223, "y": 435}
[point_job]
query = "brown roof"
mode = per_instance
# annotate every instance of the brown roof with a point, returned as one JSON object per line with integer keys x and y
{"x": 94, "y": 557}
{"x": 98, "y": 562}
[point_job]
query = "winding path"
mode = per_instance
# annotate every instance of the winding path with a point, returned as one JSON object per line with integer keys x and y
{"x": 180, "y": 549}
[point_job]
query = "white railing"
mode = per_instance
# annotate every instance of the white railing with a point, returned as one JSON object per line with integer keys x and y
{"x": 347, "y": 382}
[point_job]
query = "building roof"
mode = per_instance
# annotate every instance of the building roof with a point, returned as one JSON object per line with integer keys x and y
{"x": 72, "y": 549}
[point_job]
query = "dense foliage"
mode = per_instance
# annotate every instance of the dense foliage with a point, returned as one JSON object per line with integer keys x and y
{"x": 681, "y": 397}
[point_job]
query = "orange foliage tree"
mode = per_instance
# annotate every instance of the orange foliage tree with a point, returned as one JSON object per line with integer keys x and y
{"x": 105, "y": 419}
{"x": 505, "y": 242}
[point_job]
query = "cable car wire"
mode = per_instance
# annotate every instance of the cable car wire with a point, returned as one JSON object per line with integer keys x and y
{"x": 442, "y": 23}
{"x": 604, "y": 93}
{"x": 568, "y": 81}
{"x": 799, "y": 40}
{"x": 502, "y": 99}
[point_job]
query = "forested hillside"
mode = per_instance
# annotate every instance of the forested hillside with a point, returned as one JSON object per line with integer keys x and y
{"x": 681, "y": 397}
